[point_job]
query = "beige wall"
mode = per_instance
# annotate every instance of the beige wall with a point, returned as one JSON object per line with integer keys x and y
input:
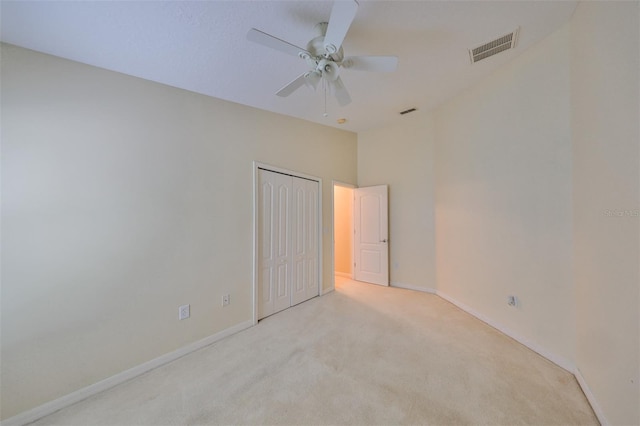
{"x": 401, "y": 156}
{"x": 605, "y": 119}
{"x": 503, "y": 198}
{"x": 343, "y": 229}
{"x": 121, "y": 200}
{"x": 534, "y": 166}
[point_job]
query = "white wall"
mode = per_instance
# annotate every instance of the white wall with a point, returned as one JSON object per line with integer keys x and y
{"x": 605, "y": 74}
{"x": 503, "y": 198}
{"x": 401, "y": 156}
{"x": 121, "y": 200}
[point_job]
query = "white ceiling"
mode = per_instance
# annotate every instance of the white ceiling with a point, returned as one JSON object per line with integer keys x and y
{"x": 201, "y": 46}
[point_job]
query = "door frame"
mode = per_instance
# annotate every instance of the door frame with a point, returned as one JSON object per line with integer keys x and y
{"x": 335, "y": 183}
{"x": 256, "y": 166}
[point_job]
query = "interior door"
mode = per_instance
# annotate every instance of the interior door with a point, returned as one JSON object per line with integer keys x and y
{"x": 274, "y": 222}
{"x": 305, "y": 240}
{"x": 371, "y": 239}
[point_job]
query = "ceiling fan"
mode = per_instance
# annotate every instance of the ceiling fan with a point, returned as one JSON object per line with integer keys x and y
{"x": 324, "y": 54}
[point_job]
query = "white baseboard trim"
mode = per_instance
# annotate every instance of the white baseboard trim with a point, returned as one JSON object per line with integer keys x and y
{"x": 342, "y": 274}
{"x": 558, "y": 360}
{"x": 591, "y": 398}
{"x": 77, "y": 396}
{"x": 413, "y": 287}
{"x": 327, "y": 290}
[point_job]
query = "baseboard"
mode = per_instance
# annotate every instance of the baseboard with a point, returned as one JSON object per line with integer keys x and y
{"x": 77, "y": 396}
{"x": 591, "y": 398}
{"x": 558, "y": 360}
{"x": 412, "y": 287}
{"x": 327, "y": 290}
{"x": 342, "y": 274}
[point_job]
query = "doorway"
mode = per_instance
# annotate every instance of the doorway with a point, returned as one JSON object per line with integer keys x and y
{"x": 342, "y": 230}
{"x": 361, "y": 235}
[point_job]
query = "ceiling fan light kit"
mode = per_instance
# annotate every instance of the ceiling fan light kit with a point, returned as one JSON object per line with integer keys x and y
{"x": 324, "y": 54}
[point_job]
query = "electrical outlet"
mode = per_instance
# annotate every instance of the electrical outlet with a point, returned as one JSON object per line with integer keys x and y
{"x": 512, "y": 301}
{"x": 226, "y": 299}
{"x": 184, "y": 312}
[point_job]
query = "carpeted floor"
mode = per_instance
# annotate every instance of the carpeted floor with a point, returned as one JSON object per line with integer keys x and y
{"x": 361, "y": 355}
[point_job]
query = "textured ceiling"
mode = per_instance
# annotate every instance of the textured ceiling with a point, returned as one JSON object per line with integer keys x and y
{"x": 201, "y": 46}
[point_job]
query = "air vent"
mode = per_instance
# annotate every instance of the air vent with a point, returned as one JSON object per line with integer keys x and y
{"x": 407, "y": 111}
{"x": 496, "y": 46}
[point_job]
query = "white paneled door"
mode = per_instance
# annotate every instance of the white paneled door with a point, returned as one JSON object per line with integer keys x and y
{"x": 371, "y": 227}
{"x": 288, "y": 241}
{"x": 305, "y": 240}
{"x": 275, "y": 242}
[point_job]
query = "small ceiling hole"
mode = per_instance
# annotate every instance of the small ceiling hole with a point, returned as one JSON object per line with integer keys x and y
{"x": 407, "y": 111}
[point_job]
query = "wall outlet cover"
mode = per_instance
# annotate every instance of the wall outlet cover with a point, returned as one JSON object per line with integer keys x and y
{"x": 184, "y": 312}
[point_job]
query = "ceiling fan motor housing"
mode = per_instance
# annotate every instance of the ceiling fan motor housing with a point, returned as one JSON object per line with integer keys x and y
{"x": 317, "y": 50}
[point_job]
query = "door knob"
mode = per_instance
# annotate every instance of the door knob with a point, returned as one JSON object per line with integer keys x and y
{"x": 383, "y": 241}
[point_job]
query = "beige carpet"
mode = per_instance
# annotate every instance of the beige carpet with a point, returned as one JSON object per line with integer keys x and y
{"x": 361, "y": 355}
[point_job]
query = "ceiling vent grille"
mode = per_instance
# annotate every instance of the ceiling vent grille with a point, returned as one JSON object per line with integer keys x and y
{"x": 506, "y": 42}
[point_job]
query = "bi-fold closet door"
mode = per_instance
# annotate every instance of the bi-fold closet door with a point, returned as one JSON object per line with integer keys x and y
{"x": 288, "y": 241}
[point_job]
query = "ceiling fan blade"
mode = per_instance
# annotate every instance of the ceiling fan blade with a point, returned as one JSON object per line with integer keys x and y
{"x": 371, "y": 63}
{"x": 340, "y": 92}
{"x": 292, "y": 87}
{"x": 268, "y": 40}
{"x": 342, "y": 15}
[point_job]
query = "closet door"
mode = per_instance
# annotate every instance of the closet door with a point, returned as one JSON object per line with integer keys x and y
{"x": 305, "y": 240}
{"x": 274, "y": 223}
